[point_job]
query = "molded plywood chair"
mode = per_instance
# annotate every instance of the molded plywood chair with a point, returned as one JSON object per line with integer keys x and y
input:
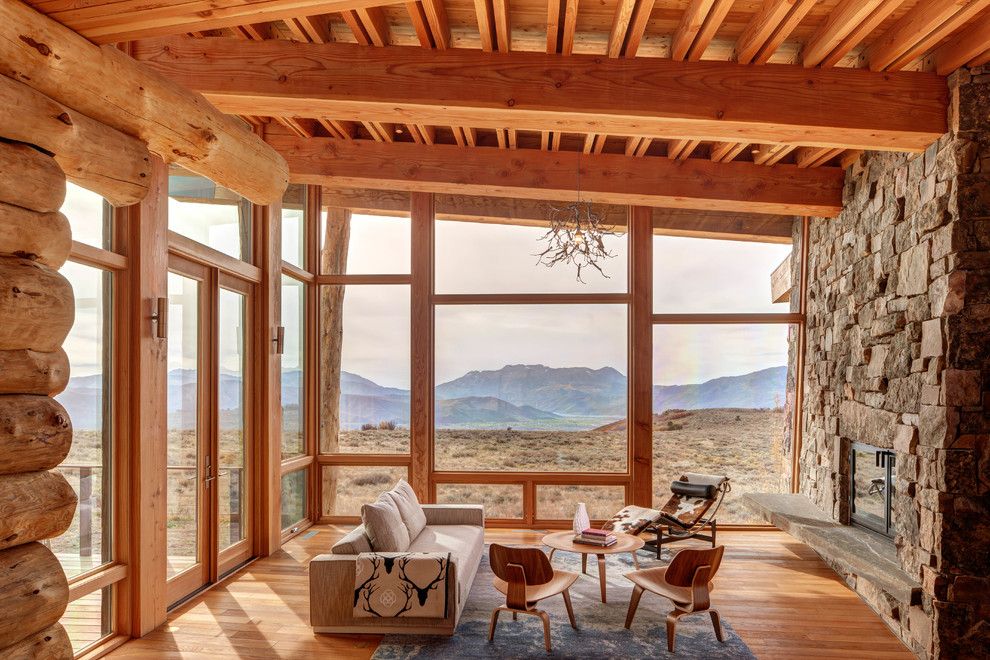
{"x": 687, "y": 583}
{"x": 526, "y": 577}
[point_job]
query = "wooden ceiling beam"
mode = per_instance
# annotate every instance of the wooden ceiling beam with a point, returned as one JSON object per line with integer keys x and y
{"x": 369, "y": 26}
{"x": 964, "y": 49}
{"x": 760, "y": 28}
{"x": 837, "y": 25}
{"x": 797, "y": 13}
{"x": 561, "y": 25}
{"x": 681, "y": 149}
{"x": 709, "y": 101}
{"x": 111, "y": 22}
{"x": 310, "y": 29}
{"x": 628, "y": 27}
{"x": 860, "y": 32}
{"x": 417, "y": 16}
{"x": 485, "y": 12}
{"x": 605, "y": 178}
{"x": 919, "y": 29}
{"x": 533, "y": 213}
{"x": 253, "y": 31}
{"x": 687, "y": 30}
{"x": 711, "y": 25}
{"x": 725, "y": 152}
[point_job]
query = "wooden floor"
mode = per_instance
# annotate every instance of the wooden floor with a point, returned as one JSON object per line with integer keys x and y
{"x": 777, "y": 594}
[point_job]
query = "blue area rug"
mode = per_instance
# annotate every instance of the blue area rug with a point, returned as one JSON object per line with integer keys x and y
{"x": 600, "y": 631}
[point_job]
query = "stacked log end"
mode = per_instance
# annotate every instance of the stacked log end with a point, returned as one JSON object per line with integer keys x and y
{"x": 37, "y": 311}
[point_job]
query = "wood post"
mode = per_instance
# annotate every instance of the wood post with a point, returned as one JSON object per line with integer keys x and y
{"x": 37, "y": 309}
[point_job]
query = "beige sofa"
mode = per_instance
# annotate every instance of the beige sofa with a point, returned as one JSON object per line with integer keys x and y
{"x": 455, "y": 528}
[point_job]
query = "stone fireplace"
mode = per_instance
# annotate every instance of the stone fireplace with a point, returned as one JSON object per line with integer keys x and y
{"x": 872, "y": 488}
{"x": 898, "y": 358}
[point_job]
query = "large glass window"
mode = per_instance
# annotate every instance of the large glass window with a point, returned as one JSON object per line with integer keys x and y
{"x": 500, "y": 500}
{"x": 87, "y": 468}
{"x": 293, "y": 497}
{"x": 703, "y": 275}
{"x": 476, "y": 257}
{"x": 721, "y": 406}
{"x": 293, "y": 361}
{"x": 294, "y": 225}
{"x": 89, "y": 216}
{"x": 364, "y": 346}
{"x": 356, "y": 244}
{"x": 531, "y": 388}
{"x": 347, "y": 487}
{"x": 88, "y": 619}
{"x": 209, "y": 214}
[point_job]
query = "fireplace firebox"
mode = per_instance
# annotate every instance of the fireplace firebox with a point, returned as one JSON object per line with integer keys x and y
{"x": 871, "y": 488}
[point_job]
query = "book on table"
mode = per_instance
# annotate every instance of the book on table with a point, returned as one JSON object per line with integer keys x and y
{"x": 597, "y": 537}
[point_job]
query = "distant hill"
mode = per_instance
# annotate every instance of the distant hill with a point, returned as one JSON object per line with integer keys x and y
{"x": 760, "y": 389}
{"x": 565, "y": 391}
{"x": 519, "y": 395}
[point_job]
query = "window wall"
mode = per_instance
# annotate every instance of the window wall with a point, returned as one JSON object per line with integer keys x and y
{"x": 530, "y": 374}
{"x": 86, "y": 550}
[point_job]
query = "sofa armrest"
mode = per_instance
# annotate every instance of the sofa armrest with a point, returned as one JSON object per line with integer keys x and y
{"x": 454, "y": 514}
{"x": 331, "y": 600}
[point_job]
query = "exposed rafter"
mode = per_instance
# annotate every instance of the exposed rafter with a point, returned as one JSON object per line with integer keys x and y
{"x": 607, "y": 178}
{"x": 561, "y": 25}
{"x": 919, "y": 29}
{"x": 714, "y": 101}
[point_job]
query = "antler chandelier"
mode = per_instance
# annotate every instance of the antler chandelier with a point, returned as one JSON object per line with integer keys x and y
{"x": 576, "y": 235}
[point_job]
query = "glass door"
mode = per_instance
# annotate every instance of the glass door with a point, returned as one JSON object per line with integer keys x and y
{"x": 209, "y": 430}
{"x": 187, "y": 539}
{"x": 233, "y": 424}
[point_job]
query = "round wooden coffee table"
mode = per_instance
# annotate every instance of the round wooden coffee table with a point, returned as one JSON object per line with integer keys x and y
{"x": 564, "y": 541}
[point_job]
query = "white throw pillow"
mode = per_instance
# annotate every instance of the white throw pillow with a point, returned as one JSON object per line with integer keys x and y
{"x": 412, "y": 513}
{"x": 384, "y": 527}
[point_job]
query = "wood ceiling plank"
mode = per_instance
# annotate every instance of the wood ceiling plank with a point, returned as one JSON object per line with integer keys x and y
{"x": 561, "y": 25}
{"x": 860, "y": 32}
{"x": 724, "y": 152}
{"x": 916, "y": 27}
{"x": 643, "y": 146}
{"x": 254, "y": 31}
{"x": 696, "y": 183}
{"x": 965, "y": 48}
{"x": 310, "y": 29}
{"x": 691, "y": 23}
{"x": 838, "y": 24}
{"x": 512, "y": 138}
{"x": 356, "y": 25}
{"x": 760, "y": 28}
{"x": 137, "y": 19}
{"x": 710, "y": 101}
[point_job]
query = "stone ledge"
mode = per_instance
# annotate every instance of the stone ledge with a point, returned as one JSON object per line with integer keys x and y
{"x": 859, "y": 551}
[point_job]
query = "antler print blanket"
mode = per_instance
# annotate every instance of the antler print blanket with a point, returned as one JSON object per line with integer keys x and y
{"x": 406, "y": 584}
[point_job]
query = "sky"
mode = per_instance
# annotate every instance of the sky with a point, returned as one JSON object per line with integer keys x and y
{"x": 690, "y": 275}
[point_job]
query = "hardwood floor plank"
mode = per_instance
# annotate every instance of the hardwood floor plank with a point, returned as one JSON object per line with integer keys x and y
{"x": 778, "y": 595}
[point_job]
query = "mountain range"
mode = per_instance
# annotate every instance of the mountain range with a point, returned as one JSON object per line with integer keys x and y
{"x": 518, "y": 395}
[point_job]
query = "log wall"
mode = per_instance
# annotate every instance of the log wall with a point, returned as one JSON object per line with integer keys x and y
{"x": 37, "y": 309}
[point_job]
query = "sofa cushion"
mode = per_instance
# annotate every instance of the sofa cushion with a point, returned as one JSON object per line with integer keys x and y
{"x": 465, "y": 543}
{"x": 406, "y": 501}
{"x": 384, "y": 526}
{"x": 354, "y": 543}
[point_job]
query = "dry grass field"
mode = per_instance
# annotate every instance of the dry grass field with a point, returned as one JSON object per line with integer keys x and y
{"x": 744, "y": 444}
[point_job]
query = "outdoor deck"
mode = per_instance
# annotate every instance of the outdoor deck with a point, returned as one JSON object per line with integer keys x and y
{"x": 778, "y": 595}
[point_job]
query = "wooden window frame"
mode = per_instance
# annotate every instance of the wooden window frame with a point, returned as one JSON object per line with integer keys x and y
{"x": 638, "y": 298}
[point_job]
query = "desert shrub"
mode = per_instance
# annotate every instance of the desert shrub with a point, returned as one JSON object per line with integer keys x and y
{"x": 738, "y": 418}
{"x": 386, "y": 425}
{"x": 372, "y": 479}
{"x": 671, "y": 426}
{"x": 368, "y": 427}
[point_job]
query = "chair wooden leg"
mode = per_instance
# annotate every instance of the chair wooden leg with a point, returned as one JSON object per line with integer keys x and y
{"x": 494, "y": 621}
{"x": 515, "y": 616}
{"x": 633, "y": 604}
{"x": 546, "y": 629}
{"x": 584, "y": 562}
{"x": 635, "y": 560}
{"x": 672, "y": 628}
{"x": 717, "y": 624}
{"x": 570, "y": 610}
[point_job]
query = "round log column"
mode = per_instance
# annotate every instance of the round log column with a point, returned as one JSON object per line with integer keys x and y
{"x": 52, "y": 643}
{"x": 35, "y": 433}
{"x": 32, "y": 372}
{"x": 29, "y": 178}
{"x": 43, "y": 237}
{"x": 35, "y": 593}
{"x": 36, "y": 305}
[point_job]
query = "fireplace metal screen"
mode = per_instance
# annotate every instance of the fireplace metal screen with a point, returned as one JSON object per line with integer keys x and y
{"x": 871, "y": 487}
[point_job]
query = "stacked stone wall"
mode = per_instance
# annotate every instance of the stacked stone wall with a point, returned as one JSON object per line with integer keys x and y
{"x": 898, "y": 356}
